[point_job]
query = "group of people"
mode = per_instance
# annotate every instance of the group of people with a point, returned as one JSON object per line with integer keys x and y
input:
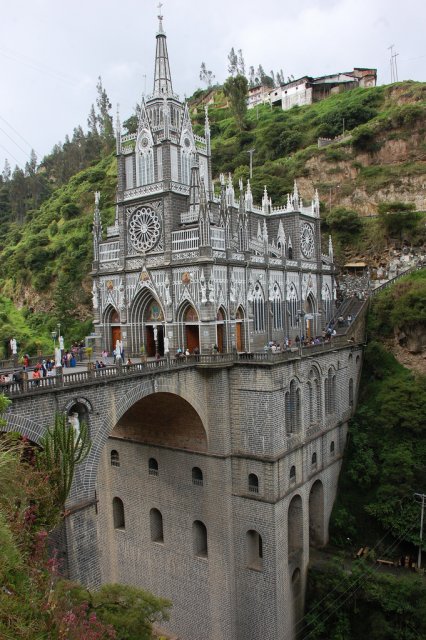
{"x": 184, "y": 353}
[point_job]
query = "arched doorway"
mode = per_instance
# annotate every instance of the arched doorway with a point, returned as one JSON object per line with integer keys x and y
{"x": 146, "y": 329}
{"x": 112, "y": 328}
{"x": 316, "y": 515}
{"x": 239, "y": 330}
{"x": 310, "y": 314}
{"x": 220, "y": 330}
{"x": 191, "y": 331}
{"x": 154, "y": 332}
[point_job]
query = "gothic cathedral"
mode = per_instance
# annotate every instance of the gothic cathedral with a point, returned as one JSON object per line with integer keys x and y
{"x": 195, "y": 266}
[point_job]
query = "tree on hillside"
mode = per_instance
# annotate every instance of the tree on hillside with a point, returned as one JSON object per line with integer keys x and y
{"x": 18, "y": 193}
{"x": 92, "y": 122}
{"x": 236, "y": 90}
{"x": 6, "y": 171}
{"x": 233, "y": 63}
{"x": 346, "y": 223}
{"x": 206, "y": 75}
{"x": 398, "y": 219}
{"x": 241, "y": 65}
{"x": 252, "y": 77}
{"x": 106, "y": 129}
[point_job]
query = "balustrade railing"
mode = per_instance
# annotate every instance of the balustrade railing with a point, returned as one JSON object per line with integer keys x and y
{"x": 67, "y": 379}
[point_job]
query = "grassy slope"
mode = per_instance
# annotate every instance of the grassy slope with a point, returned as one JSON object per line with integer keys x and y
{"x": 285, "y": 141}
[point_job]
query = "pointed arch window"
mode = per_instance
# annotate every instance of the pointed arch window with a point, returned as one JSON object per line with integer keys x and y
{"x": 259, "y": 309}
{"x": 144, "y": 161}
{"x": 292, "y": 306}
{"x": 330, "y": 392}
{"x": 314, "y": 397}
{"x": 327, "y": 303}
{"x": 277, "y": 308}
{"x": 293, "y": 409}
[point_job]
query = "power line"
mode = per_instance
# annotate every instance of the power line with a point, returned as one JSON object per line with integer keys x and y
{"x": 38, "y": 66}
{"x": 18, "y": 134}
{"x": 355, "y": 586}
{"x": 15, "y": 143}
{"x": 10, "y": 154}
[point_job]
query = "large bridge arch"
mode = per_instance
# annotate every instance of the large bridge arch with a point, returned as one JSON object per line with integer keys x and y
{"x": 24, "y": 426}
{"x": 118, "y": 407}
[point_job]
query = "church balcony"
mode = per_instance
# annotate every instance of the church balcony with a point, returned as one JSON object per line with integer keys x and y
{"x": 148, "y": 189}
{"x": 109, "y": 251}
{"x": 188, "y": 216}
{"x": 113, "y": 231}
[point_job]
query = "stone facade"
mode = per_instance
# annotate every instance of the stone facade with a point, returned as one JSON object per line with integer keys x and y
{"x": 187, "y": 265}
{"x": 269, "y": 467}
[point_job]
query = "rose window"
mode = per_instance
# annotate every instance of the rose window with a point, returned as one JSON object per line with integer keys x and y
{"x": 307, "y": 240}
{"x": 144, "y": 229}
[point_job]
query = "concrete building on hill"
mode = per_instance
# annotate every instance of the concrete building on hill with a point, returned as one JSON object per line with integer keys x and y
{"x": 307, "y": 90}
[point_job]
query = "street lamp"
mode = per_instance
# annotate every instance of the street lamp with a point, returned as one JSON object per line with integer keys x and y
{"x": 54, "y": 335}
{"x": 251, "y": 151}
{"x": 301, "y": 313}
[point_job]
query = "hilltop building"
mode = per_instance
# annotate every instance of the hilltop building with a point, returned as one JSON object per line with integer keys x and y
{"x": 307, "y": 90}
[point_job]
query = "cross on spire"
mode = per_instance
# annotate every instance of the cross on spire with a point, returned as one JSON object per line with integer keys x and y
{"x": 160, "y": 17}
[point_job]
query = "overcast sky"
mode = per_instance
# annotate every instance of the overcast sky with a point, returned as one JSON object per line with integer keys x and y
{"x": 52, "y": 52}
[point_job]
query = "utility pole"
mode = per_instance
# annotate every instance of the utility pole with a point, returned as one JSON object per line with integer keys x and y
{"x": 422, "y": 496}
{"x": 251, "y": 151}
{"x": 395, "y": 66}
{"x": 391, "y": 63}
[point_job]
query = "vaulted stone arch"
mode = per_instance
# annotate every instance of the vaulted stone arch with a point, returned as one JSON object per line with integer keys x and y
{"x": 30, "y": 428}
{"x": 173, "y": 385}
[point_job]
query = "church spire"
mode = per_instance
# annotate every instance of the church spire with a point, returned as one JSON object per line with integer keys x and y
{"x": 162, "y": 78}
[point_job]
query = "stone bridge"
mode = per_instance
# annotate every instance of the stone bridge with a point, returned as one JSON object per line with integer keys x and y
{"x": 208, "y": 478}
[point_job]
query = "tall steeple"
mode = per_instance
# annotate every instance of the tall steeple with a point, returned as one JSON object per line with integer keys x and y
{"x": 162, "y": 78}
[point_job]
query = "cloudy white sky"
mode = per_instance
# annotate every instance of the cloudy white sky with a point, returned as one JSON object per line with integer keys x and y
{"x": 51, "y": 52}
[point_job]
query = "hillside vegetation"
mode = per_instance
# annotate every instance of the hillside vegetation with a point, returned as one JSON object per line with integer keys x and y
{"x": 46, "y": 216}
{"x": 384, "y": 466}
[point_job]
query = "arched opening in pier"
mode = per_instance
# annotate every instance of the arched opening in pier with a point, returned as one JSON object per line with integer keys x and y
{"x": 295, "y": 526}
{"x": 316, "y": 515}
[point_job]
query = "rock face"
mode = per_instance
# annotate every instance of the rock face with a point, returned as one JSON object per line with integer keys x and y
{"x": 412, "y": 338}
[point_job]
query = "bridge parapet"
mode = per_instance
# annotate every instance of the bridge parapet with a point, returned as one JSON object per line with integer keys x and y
{"x": 111, "y": 373}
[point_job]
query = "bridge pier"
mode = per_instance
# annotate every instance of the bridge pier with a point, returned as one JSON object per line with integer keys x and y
{"x": 207, "y": 482}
